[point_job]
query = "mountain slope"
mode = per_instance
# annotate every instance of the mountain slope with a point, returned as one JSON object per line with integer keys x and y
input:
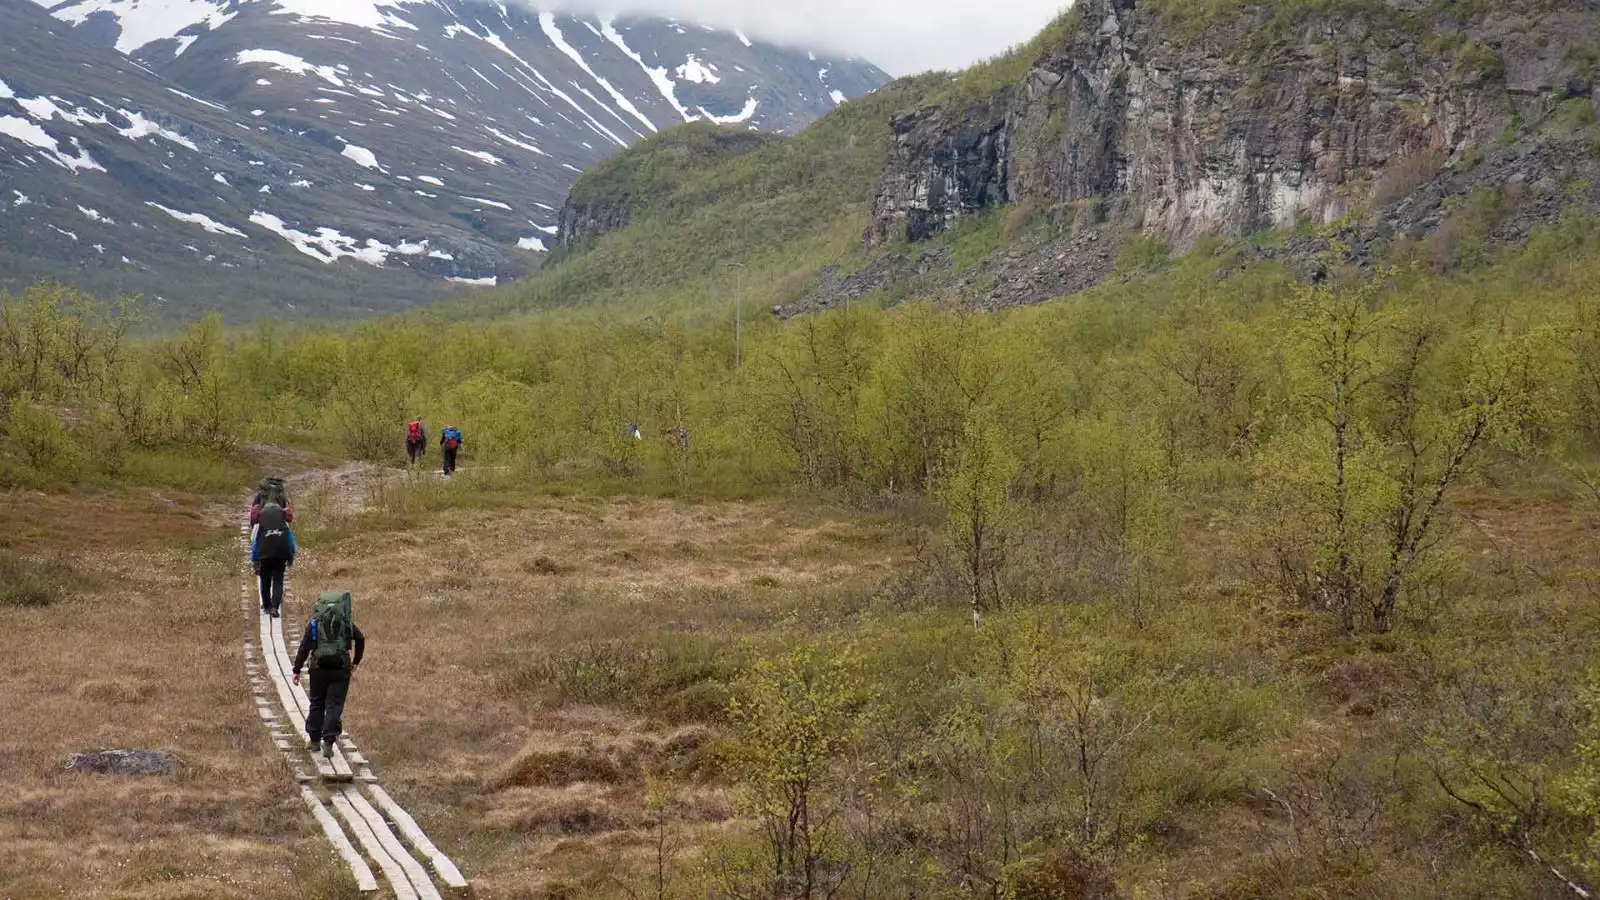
{"x": 1127, "y": 129}
{"x": 396, "y": 146}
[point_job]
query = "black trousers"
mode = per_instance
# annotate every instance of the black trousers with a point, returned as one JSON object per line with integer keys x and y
{"x": 416, "y": 449}
{"x": 272, "y": 585}
{"x": 327, "y": 690}
{"x": 450, "y": 460}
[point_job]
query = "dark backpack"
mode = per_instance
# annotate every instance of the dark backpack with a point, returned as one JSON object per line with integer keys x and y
{"x": 452, "y": 438}
{"x": 332, "y": 628}
{"x": 273, "y": 490}
{"x": 414, "y": 432}
{"x": 272, "y": 535}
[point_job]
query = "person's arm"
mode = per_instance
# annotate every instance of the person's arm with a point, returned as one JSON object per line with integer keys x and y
{"x": 307, "y": 644}
{"x": 361, "y": 646}
{"x": 293, "y": 547}
{"x": 255, "y": 545}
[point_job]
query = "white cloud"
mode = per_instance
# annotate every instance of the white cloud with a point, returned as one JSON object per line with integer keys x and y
{"x": 901, "y": 36}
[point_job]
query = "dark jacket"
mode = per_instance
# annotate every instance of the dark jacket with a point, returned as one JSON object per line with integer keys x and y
{"x": 308, "y": 644}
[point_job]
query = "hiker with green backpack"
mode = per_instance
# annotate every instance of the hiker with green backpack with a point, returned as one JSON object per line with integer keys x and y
{"x": 330, "y": 636}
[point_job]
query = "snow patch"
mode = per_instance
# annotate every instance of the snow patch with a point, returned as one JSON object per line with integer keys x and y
{"x": 742, "y": 116}
{"x": 31, "y": 134}
{"x": 94, "y": 215}
{"x": 142, "y": 22}
{"x": 327, "y": 245}
{"x": 204, "y": 221}
{"x": 361, "y": 156}
{"x": 217, "y": 177}
{"x": 742, "y": 39}
{"x": 697, "y": 72}
{"x": 480, "y": 155}
{"x": 429, "y": 179}
{"x": 548, "y": 23}
{"x": 532, "y": 243}
{"x": 193, "y": 99}
{"x": 491, "y": 281}
{"x": 494, "y": 203}
{"x": 658, "y": 76}
{"x": 838, "y": 97}
{"x": 140, "y": 127}
{"x": 523, "y": 145}
{"x": 288, "y": 62}
{"x": 368, "y": 14}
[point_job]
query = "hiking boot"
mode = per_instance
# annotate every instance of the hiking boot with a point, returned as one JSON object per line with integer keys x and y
{"x": 275, "y": 612}
{"x": 327, "y": 748}
{"x": 312, "y": 744}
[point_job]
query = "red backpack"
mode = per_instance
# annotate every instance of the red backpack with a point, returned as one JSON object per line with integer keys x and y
{"x": 414, "y": 432}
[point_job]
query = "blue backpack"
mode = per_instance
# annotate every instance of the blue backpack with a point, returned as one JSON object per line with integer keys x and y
{"x": 452, "y": 437}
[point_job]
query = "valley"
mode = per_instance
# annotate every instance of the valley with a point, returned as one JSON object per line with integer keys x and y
{"x": 1158, "y": 461}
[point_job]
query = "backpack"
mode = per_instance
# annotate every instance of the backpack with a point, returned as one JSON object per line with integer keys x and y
{"x": 414, "y": 432}
{"x": 332, "y": 627}
{"x": 272, "y": 535}
{"x": 452, "y": 438}
{"x": 273, "y": 491}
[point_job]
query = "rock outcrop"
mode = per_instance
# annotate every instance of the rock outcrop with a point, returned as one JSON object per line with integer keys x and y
{"x": 1260, "y": 117}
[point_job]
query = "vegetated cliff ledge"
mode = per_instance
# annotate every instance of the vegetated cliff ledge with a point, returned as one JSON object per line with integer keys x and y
{"x": 1396, "y": 129}
{"x": 1183, "y": 120}
{"x": 607, "y": 197}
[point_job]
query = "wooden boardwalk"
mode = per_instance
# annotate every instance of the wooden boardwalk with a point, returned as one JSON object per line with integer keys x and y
{"x": 385, "y": 835}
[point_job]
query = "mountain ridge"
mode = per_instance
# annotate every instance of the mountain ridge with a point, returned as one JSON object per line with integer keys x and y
{"x": 430, "y": 142}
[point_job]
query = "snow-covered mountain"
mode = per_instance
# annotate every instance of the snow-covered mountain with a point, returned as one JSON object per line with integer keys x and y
{"x": 361, "y": 154}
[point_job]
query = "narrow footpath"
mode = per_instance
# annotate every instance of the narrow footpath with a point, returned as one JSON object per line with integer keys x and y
{"x": 385, "y": 835}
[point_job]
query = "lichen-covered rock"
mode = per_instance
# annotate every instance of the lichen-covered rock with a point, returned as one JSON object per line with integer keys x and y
{"x": 124, "y": 762}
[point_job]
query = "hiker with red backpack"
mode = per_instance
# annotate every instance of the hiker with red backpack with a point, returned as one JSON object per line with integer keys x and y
{"x": 416, "y": 440}
{"x": 450, "y": 442}
{"x": 273, "y": 490}
{"x": 329, "y": 638}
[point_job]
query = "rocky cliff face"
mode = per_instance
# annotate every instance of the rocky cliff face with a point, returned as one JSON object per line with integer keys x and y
{"x": 1257, "y": 118}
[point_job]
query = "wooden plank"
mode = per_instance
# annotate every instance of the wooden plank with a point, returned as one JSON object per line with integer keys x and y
{"x": 392, "y": 872}
{"x": 407, "y": 826}
{"x": 380, "y": 829}
{"x": 366, "y": 882}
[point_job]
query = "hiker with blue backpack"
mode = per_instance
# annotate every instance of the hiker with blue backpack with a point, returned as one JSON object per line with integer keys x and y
{"x": 328, "y": 641}
{"x": 272, "y": 550}
{"x": 450, "y": 442}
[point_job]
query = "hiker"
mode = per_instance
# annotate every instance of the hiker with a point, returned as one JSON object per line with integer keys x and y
{"x": 272, "y": 490}
{"x": 450, "y": 442}
{"x": 416, "y": 440}
{"x": 328, "y": 640}
{"x": 272, "y": 549}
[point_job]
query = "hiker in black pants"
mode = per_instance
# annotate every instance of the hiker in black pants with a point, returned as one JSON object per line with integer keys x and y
{"x": 272, "y": 550}
{"x": 330, "y": 684}
{"x": 449, "y": 444}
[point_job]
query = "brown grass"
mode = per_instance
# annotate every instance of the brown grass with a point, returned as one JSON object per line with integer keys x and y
{"x": 143, "y": 651}
{"x": 532, "y": 671}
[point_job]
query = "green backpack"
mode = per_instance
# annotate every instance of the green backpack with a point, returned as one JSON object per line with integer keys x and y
{"x": 334, "y": 626}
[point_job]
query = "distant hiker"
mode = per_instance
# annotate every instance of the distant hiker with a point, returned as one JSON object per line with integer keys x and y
{"x": 272, "y": 549}
{"x": 450, "y": 442}
{"x": 416, "y": 440}
{"x": 272, "y": 490}
{"x": 329, "y": 637}
{"x": 634, "y": 432}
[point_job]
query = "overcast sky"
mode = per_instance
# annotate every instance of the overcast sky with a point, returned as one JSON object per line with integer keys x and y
{"x": 901, "y": 36}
